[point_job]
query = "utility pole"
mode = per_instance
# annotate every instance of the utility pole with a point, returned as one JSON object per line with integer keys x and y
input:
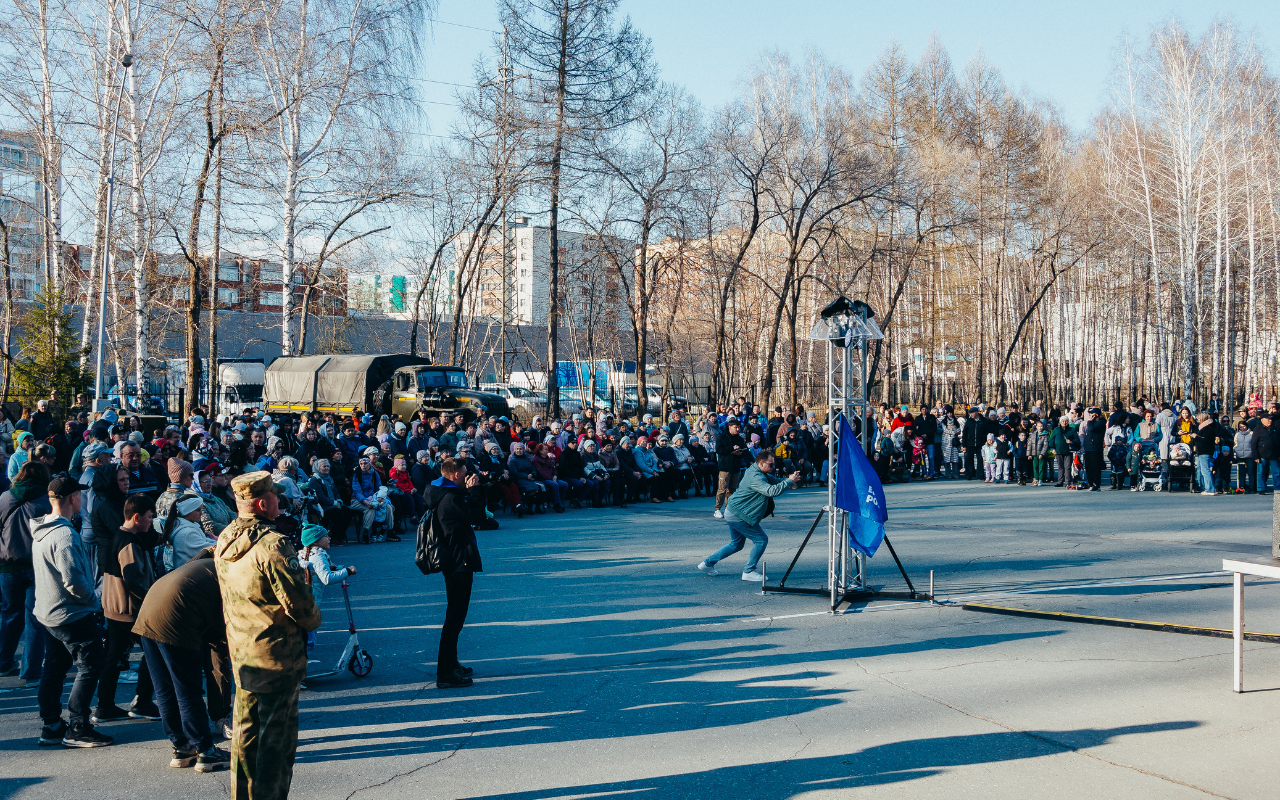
{"x": 503, "y": 83}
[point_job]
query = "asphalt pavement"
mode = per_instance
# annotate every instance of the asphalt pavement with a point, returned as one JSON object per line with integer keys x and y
{"x": 608, "y": 667}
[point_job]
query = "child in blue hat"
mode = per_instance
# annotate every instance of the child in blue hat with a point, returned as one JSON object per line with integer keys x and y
{"x": 320, "y": 573}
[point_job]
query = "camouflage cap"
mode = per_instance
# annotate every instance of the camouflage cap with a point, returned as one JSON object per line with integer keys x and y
{"x": 254, "y": 484}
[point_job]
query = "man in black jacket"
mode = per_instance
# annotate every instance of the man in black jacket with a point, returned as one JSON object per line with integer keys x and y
{"x": 1266, "y": 448}
{"x": 448, "y": 545}
{"x": 972, "y": 437}
{"x": 1092, "y": 431}
{"x": 25, "y": 502}
{"x": 729, "y": 453}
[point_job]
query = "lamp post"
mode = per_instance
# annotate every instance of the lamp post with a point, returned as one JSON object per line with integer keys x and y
{"x": 99, "y": 402}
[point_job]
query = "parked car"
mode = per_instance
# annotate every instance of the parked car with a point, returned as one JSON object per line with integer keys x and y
{"x": 524, "y": 403}
{"x": 654, "y": 396}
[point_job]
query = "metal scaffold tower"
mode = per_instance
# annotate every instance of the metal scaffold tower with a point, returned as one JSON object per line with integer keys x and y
{"x": 847, "y": 327}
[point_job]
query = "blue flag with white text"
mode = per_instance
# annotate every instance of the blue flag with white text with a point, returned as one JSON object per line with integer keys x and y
{"x": 859, "y": 492}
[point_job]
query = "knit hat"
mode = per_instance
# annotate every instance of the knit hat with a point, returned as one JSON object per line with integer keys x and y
{"x": 92, "y": 451}
{"x": 188, "y": 503}
{"x": 312, "y": 533}
{"x": 178, "y": 470}
{"x": 136, "y": 437}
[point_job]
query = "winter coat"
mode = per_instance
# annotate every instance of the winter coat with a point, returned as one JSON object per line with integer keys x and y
{"x": 1266, "y": 442}
{"x": 20, "y": 508}
{"x": 64, "y": 575}
{"x": 949, "y": 431}
{"x": 184, "y": 608}
{"x": 1244, "y": 445}
{"x": 521, "y": 467}
{"x": 1091, "y": 435}
{"x": 364, "y": 485}
{"x": 108, "y": 512}
{"x": 124, "y": 586}
{"x": 325, "y": 490}
{"x": 545, "y": 467}
{"x": 448, "y": 543}
{"x": 186, "y": 540}
{"x": 1038, "y": 444}
{"x": 730, "y": 452}
{"x": 571, "y": 464}
{"x": 646, "y": 462}
{"x": 322, "y": 571}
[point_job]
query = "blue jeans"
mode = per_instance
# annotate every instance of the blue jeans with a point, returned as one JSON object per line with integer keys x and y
{"x": 178, "y": 674}
{"x": 739, "y": 533}
{"x": 558, "y": 490}
{"x": 1268, "y": 468}
{"x": 1204, "y": 471}
{"x": 18, "y": 601}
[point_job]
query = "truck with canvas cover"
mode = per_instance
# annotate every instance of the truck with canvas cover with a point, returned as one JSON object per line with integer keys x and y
{"x": 382, "y": 384}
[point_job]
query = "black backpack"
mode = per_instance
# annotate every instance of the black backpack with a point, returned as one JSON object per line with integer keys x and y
{"x": 427, "y": 553}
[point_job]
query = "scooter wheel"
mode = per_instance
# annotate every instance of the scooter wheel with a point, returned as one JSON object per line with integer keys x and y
{"x": 361, "y": 663}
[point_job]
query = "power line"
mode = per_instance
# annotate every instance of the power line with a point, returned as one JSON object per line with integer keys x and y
{"x": 460, "y": 25}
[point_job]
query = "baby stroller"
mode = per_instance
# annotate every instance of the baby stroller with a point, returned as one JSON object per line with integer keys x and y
{"x": 1150, "y": 468}
{"x": 1182, "y": 467}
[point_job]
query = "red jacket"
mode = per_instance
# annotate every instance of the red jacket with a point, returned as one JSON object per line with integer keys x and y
{"x": 401, "y": 480}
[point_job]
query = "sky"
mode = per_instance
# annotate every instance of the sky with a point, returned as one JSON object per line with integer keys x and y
{"x": 1061, "y": 51}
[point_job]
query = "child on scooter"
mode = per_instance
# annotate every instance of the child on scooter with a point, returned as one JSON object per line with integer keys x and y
{"x": 320, "y": 573}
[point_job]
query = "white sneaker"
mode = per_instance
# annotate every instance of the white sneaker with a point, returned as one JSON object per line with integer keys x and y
{"x": 707, "y": 569}
{"x": 1208, "y": 494}
{"x": 718, "y": 514}
{"x": 753, "y": 576}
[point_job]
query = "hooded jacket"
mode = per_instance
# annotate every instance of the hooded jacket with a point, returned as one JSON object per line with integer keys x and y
{"x": 108, "y": 512}
{"x": 19, "y": 456}
{"x": 20, "y": 507}
{"x": 267, "y": 605}
{"x": 184, "y": 608}
{"x": 64, "y": 574}
{"x": 128, "y": 575}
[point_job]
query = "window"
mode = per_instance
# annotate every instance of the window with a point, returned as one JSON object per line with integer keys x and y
{"x": 271, "y": 273}
{"x": 271, "y": 299}
{"x": 172, "y": 269}
{"x": 524, "y": 256}
{"x": 434, "y": 378}
{"x": 229, "y": 272}
{"x": 230, "y": 297}
{"x": 524, "y": 273}
{"x": 180, "y": 292}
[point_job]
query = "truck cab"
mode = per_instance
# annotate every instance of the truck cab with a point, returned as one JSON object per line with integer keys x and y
{"x": 441, "y": 389}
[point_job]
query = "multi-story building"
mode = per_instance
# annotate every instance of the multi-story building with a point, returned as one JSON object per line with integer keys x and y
{"x": 592, "y": 291}
{"x": 21, "y": 210}
{"x": 243, "y": 284}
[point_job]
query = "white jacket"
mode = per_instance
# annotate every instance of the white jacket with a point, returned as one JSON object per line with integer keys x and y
{"x": 188, "y": 540}
{"x": 323, "y": 571}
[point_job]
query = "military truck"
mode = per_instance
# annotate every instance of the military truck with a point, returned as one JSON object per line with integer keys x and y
{"x": 380, "y": 384}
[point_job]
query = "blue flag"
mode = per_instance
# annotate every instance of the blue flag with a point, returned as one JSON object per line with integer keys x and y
{"x": 859, "y": 492}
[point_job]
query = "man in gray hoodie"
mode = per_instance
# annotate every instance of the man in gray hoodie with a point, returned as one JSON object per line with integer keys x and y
{"x": 752, "y": 502}
{"x": 66, "y": 606}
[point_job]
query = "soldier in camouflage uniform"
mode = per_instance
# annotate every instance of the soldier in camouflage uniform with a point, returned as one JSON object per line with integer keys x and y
{"x": 269, "y": 609}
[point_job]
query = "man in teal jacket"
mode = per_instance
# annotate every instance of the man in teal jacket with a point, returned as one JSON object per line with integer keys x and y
{"x": 748, "y": 505}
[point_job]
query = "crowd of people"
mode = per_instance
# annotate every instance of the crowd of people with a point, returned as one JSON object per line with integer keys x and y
{"x": 1142, "y": 445}
{"x": 112, "y": 537}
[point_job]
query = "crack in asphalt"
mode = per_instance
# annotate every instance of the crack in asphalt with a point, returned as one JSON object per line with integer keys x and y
{"x": 1065, "y": 747}
{"x": 421, "y": 767}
